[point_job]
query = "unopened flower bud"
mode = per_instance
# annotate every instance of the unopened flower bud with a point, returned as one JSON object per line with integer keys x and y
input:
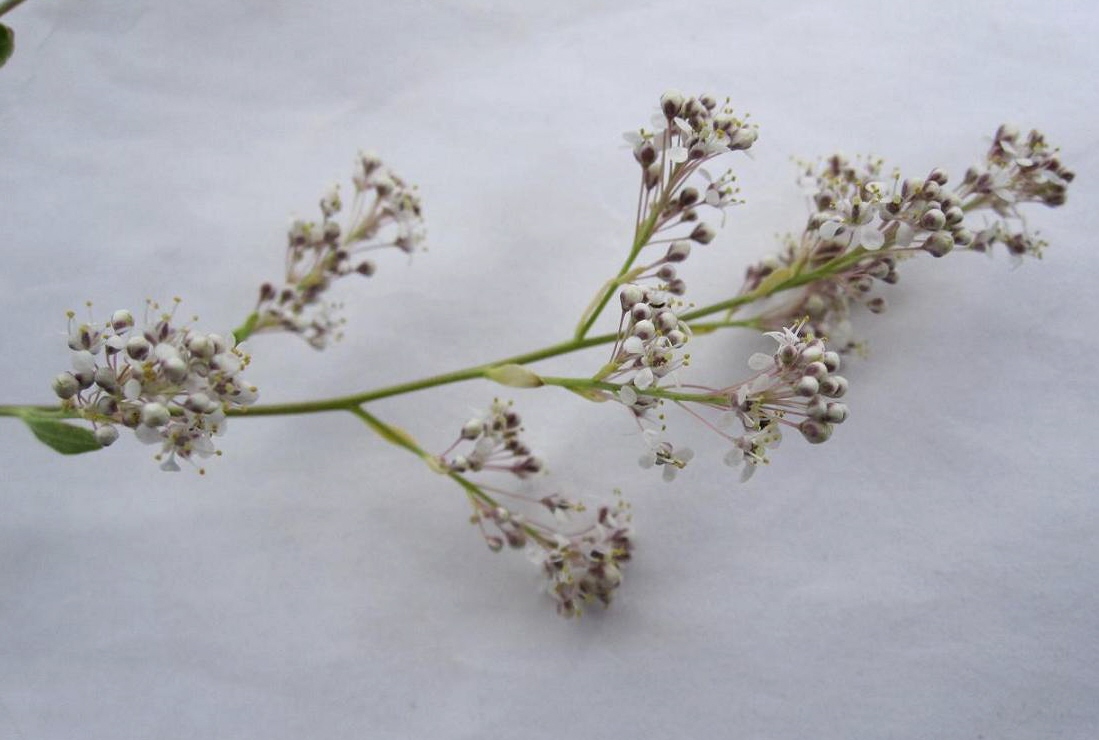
{"x": 679, "y": 250}
{"x": 938, "y": 244}
{"x": 106, "y": 435}
{"x": 815, "y": 431}
{"x": 938, "y": 175}
{"x": 472, "y": 429}
{"x": 834, "y": 386}
{"x": 666, "y": 321}
{"x": 641, "y": 312}
{"x": 807, "y": 386}
{"x": 671, "y": 103}
{"x": 703, "y": 233}
{"x": 933, "y": 219}
{"x": 65, "y": 386}
{"x": 630, "y": 296}
{"x": 138, "y": 348}
{"x": 963, "y": 237}
{"x": 122, "y": 320}
{"x": 644, "y": 330}
{"x": 155, "y": 414}
{"x": 106, "y": 379}
{"x": 816, "y": 369}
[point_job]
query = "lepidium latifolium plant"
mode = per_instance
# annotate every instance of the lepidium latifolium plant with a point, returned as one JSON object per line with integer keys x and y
{"x": 175, "y": 386}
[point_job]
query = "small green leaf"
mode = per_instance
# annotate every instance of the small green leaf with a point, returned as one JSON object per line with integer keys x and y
{"x": 64, "y": 438}
{"x": 7, "y": 43}
{"x": 515, "y": 376}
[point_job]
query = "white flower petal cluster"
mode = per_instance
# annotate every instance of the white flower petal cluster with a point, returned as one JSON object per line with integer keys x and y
{"x": 649, "y": 347}
{"x": 587, "y": 566}
{"x": 385, "y": 212}
{"x": 495, "y": 445}
{"x": 171, "y": 384}
{"x": 793, "y": 387}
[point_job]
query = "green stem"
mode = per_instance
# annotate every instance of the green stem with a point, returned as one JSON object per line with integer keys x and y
{"x": 350, "y": 402}
{"x": 402, "y": 439}
{"x": 9, "y": 5}
{"x": 588, "y": 384}
{"x": 245, "y": 330}
{"x": 641, "y": 238}
{"x": 342, "y": 403}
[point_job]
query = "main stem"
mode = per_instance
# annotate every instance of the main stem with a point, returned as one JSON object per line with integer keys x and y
{"x": 9, "y": 5}
{"x": 353, "y": 401}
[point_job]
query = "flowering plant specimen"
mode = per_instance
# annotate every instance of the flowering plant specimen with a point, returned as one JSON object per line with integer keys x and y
{"x": 177, "y": 386}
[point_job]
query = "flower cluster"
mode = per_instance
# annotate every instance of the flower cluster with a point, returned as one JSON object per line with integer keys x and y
{"x": 587, "y": 566}
{"x": 865, "y": 223}
{"x": 1017, "y": 171}
{"x": 494, "y": 445}
{"x": 795, "y": 387}
{"x": 648, "y": 350}
{"x": 171, "y": 384}
{"x": 385, "y": 213}
{"x": 687, "y": 132}
{"x": 581, "y": 565}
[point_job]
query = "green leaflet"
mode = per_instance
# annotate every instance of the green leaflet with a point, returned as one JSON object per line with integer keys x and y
{"x": 60, "y": 436}
{"x": 7, "y": 43}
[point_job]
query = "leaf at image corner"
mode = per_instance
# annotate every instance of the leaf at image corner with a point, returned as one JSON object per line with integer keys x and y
{"x": 64, "y": 438}
{"x": 7, "y": 43}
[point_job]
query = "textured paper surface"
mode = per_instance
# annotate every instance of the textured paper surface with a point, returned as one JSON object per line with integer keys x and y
{"x": 930, "y": 572}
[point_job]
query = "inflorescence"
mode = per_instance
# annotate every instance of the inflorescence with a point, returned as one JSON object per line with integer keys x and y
{"x": 385, "y": 213}
{"x": 171, "y": 384}
{"x": 174, "y": 386}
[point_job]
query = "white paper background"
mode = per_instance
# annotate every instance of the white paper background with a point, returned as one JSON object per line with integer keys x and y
{"x": 930, "y": 572}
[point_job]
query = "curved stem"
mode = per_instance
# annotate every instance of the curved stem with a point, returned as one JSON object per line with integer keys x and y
{"x": 350, "y": 402}
{"x": 9, "y": 5}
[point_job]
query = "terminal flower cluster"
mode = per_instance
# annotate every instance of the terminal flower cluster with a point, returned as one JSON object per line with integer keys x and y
{"x": 581, "y": 564}
{"x": 648, "y": 350}
{"x": 866, "y": 223}
{"x": 795, "y": 388}
{"x": 171, "y": 384}
{"x": 385, "y": 212}
{"x": 494, "y": 444}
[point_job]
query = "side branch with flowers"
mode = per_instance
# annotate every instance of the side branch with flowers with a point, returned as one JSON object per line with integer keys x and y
{"x": 176, "y": 387}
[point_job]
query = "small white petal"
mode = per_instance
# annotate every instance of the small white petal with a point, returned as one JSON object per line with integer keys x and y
{"x": 148, "y": 435}
{"x": 871, "y": 238}
{"x": 644, "y": 378}
{"x": 83, "y": 361}
{"x": 634, "y": 346}
{"x": 760, "y": 361}
{"x": 734, "y": 457}
{"x": 905, "y": 233}
{"x": 677, "y": 154}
